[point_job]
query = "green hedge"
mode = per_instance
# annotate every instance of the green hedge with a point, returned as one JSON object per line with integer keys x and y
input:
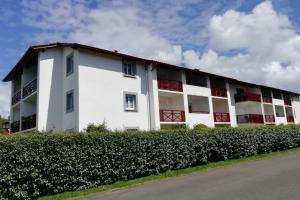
{"x": 39, "y": 164}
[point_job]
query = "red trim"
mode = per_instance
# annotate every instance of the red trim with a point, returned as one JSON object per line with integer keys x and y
{"x": 267, "y": 99}
{"x": 250, "y": 118}
{"x": 270, "y": 118}
{"x": 290, "y": 119}
{"x": 170, "y": 85}
{"x": 218, "y": 92}
{"x": 172, "y": 116}
{"x": 287, "y": 102}
{"x": 247, "y": 97}
{"x": 221, "y": 117}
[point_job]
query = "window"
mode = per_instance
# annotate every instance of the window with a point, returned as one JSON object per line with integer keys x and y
{"x": 130, "y": 102}
{"x": 69, "y": 102}
{"x": 216, "y": 82}
{"x": 129, "y": 68}
{"x": 196, "y": 79}
{"x": 277, "y": 94}
{"x": 70, "y": 64}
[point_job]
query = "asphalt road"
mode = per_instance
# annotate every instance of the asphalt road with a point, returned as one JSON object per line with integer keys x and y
{"x": 276, "y": 178}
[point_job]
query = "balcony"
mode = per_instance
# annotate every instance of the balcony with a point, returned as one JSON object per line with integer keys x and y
{"x": 250, "y": 119}
{"x": 221, "y": 117}
{"x": 217, "y": 92}
{"x": 269, "y": 118}
{"x": 16, "y": 98}
{"x": 267, "y": 100}
{"x": 290, "y": 119}
{"x": 15, "y": 126}
{"x": 30, "y": 88}
{"x": 172, "y": 116}
{"x": 170, "y": 85}
{"x": 29, "y": 122}
{"x": 287, "y": 102}
{"x": 247, "y": 97}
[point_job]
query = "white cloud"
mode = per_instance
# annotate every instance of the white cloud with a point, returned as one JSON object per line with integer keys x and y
{"x": 4, "y": 99}
{"x": 266, "y": 44}
{"x": 260, "y": 46}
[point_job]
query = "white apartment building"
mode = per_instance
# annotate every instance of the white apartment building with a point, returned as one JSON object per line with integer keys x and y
{"x": 66, "y": 86}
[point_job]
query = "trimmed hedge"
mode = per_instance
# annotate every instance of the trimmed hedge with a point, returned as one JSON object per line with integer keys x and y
{"x": 39, "y": 164}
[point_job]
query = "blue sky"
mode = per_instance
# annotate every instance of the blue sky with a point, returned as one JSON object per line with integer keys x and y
{"x": 229, "y": 37}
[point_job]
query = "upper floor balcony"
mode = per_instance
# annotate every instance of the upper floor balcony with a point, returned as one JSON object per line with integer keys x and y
{"x": 267, "y": 99}
{"x": 30, "y": 88}
{"x": 16, "y": 98}
{"x": 219, "y": 92}
{"x": 170, "y": 85}
{"x": 250, "y": 119}
{"x": 247, "y": 96}
{"x": 287, "y": 102}
{"x": 269, "y": 118}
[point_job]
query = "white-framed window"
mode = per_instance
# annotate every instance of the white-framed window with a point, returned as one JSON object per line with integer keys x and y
{"x": 129, "y": 68}
{"x": 70, "y": 101}
{"x": 130, "y": 102}
{"x": 70, "y": 64}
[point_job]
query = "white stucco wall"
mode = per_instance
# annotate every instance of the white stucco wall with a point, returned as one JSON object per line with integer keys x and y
{"x": 50, "y": 97}
{"x": 296, "y": 106}
{"x": 101, "y": 93}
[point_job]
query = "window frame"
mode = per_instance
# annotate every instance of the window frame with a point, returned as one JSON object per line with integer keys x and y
{"x": 127, "y": 109}
{"x": 70, "y": 56}
{"x": 125, "y": 68}
{"x": 71, "y": 109}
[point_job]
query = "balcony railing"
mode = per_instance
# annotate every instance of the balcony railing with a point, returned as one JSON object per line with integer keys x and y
{"x": 221, "y": 117}
{"x": 267, "y": 100}
{"x": 29, "y": 122}
{"x": 170, "y": 85}
{"x": 287, "y": 102}
{"x": 290, "y": 119}
{"x": 30, "y": 88}
{"x": 15, "y": 126}
{"x": 270, "y": 118}
{"x": 218, "y": 92}
{"x": 172, "y": 116}
{"x": 16, "y": 98}
{"x": 247, "y": 97}
{"x": 250, "y": 118}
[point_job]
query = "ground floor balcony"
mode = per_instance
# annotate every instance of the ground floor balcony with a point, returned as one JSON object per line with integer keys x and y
{"x": 290, "y": 119}
{"x": 172, "y": 115}
{"x": 247, "y": 96}
{"x": 29, "y": 122}
{"x": 250, "y": 119}
{"x": 15, "y": 126}
{"x": 221, "y": 117}
{"x": 270, "y": 119}
{"x": 217, "y": 92}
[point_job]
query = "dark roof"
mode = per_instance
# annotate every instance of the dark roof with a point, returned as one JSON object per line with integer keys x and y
{"x": 32, "y": 51}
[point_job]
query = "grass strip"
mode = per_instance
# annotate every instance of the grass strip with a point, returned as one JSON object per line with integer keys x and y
{"x": 168, "y": 174}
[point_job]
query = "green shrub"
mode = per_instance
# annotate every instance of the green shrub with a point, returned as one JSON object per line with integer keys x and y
{"x": 96, "y": 128}
{"x": 173, "y": 126}
{"x": 200, "y": 127}
{"x": 34, "y": 165}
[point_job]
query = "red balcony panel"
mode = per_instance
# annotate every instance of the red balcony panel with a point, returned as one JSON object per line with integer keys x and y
{"x": 267, "y": 99}
{"x": 250, "y": 119}
{"x": 287, "y": 102}
{"x": 221, "y": 117}
{"x": 247, "y": 97}
{"x": 270, "y": 118}
{"x": 290, "y": 119}
{"x": 218, "y": 92}
{"x": 170, "y": 85}
{"x": 172, "y": 116}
